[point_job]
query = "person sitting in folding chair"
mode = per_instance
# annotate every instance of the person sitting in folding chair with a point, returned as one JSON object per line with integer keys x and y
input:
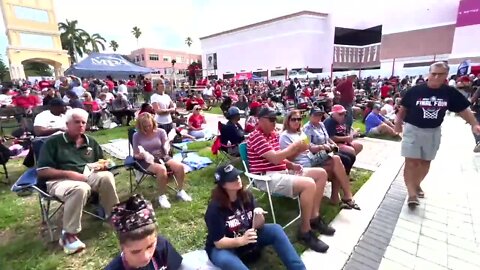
{"x": 236, "y": 226}
{"x": 232, "y": 132}
{"x": 155, "y": 143}
{"x": 265, "y": 157}
{"x": 69, "y": 169}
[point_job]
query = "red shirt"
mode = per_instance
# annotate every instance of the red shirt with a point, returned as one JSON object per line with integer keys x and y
{"x": 44, "y": 84}
{"x": 345, "y": 88}
{"x": 196, "y": 121}
{"x": 385, "y": 90}
{"x": 26, "y": 101}
{"x": 94, "y": 104}
{"x": 147, "y": 86}
{"x": 307, "y": 92}
{"x": 200, "y": 101}
{"x": 257, "y": 145}
{"x": 110, "y": 85}
{"x": 218, "y": 91}
{"x": 131, "y": 83}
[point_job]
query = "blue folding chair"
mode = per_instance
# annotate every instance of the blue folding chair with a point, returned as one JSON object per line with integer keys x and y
{"x": 28, "y": 184}
{"x": 242, "y": 148}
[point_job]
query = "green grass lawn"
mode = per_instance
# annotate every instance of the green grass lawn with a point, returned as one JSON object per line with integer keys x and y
{"x": 23, "y": 246}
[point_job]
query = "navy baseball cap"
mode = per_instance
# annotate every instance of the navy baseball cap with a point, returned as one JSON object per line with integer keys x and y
{"x": 233, "y": 111}
{"x": 226, "y": 173}
{"x": 56, "y": 102}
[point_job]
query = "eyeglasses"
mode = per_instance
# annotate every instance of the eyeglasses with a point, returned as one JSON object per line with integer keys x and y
{"x": 295, "y": 119}
{"x": 198, "y": 109}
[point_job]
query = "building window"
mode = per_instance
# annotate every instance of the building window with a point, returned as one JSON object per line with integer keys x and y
{"x": 36, "y": 41}
{"x": 166, "y": 58}
{"x": 153, "y": 57}
{"x": 179, "y": 59}
{"x": 31, "y": 14}
{"x": 143, "y": 57}
{"x": 137, "y": 58}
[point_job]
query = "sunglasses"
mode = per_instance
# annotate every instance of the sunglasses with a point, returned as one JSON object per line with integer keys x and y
{"x": 293, "y": 119}
{"x": 198, "y": 109}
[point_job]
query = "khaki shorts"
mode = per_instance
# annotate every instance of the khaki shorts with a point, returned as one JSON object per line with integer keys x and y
{"x": 420, "y": 143}
{"x": 281, "y": 183}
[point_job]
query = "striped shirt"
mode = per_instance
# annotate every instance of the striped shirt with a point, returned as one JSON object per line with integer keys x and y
{"x": 257, "y": 145}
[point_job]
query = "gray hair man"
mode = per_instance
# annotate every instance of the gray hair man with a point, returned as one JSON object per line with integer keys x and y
{"x": 70, "y": 167}
{"x": 423, "y": 109}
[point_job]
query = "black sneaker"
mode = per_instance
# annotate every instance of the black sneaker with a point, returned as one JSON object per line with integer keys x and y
{"x": 311, "y": 241}
{"x": 320, "y": 226}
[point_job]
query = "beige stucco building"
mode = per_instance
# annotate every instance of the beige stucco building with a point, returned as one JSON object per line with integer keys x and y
{"x": 33, "y": 36}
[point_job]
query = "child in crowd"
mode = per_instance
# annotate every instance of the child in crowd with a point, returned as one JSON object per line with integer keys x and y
{"x": 142, "y": 248}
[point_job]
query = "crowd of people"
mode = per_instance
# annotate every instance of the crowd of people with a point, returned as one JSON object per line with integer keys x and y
{"x": 317, "y": 144}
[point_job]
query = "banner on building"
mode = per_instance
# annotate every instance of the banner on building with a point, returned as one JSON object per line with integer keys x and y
{"x": 211, "y": 61}
{"x": 468, "y": 13}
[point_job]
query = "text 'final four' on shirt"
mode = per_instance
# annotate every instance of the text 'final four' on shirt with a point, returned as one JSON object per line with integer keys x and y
{"x": 426, "y": 107}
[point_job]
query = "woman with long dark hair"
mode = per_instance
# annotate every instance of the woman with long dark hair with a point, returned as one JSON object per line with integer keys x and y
{"x": 236, "y": 229}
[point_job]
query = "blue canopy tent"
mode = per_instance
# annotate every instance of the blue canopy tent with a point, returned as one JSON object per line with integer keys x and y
{"x": 101, "y": 65}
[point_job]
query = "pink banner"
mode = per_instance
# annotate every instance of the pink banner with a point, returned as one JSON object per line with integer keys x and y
{"x": 244, "y": 76}
{"x": 468, "y": 13}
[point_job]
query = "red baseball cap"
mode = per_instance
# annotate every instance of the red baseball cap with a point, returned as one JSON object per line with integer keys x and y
{"x": 338, "y": 109}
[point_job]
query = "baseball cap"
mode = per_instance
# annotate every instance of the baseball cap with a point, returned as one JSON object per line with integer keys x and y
{"x": 338, "y": 109}
{"x": 71, "y": 93}
{"x": 267, "y": 113}
{"x": 233, "y": 111}
{"x": 317, "y": 110}
{"x": 377, "y": 106}
{"x": 56, "y": 102}
{"x": 226, "y": 173}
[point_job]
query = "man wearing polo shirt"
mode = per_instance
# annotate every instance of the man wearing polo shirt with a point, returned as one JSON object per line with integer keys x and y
{"x": 63, "y": 172}
{"x": 51, "y": 121}
{"x": 265, "y": 157}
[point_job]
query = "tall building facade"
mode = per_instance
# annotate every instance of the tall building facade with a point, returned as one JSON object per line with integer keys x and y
{"x": 33, "y": 36}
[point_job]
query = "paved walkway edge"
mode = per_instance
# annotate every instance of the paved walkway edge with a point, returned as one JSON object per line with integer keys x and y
{"x": 351, "y": 224}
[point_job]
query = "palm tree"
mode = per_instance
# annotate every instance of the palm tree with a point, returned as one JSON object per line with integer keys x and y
{"x": 96, "y": 41}
{"x": 136, "y": 33}
{"x": 113, "y": 45}
{"x": 73, "y": 39}
{"x": 188, "y": 41}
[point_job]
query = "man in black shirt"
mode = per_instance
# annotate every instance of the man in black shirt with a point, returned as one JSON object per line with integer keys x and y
{"x": 423, "y": 109}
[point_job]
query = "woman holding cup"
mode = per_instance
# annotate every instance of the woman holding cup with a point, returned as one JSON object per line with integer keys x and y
{"x": 236, "y": 226}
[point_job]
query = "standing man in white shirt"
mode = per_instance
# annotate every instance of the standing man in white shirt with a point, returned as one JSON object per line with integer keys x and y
{"x": 122, "y": 88}
{"x": 163, "y": 106}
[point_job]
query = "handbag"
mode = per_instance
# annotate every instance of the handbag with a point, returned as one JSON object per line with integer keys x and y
{"x": 318, "y": 159}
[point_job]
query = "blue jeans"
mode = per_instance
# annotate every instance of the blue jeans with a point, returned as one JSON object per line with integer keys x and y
{"x": 270, "y": 234}
{"x": 349, "y": 116}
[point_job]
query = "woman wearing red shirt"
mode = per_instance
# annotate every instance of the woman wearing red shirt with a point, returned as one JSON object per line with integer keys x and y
{"x": 195, "y": 122}
{"x": 93, "y": 108}
{"x": 26, "y": 100}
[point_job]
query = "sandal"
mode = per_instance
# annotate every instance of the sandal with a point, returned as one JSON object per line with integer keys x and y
{"x": 413, "y": 202}
{"x": 349, "y": 204}
{"x": 420, "y": 193}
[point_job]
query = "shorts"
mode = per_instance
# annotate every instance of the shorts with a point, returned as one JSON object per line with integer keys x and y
{"x": 281, "y": 183}
{"x": 420, "y": 143}
{"x": 157, "y": 160}
{"x": 374, "y": 131}
{"x": 167, "y": 127}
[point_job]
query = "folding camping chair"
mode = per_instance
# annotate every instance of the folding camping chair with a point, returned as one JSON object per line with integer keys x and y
{"x": 222, "y": 151}
{"x": 28, "y": 184}
{"x": 254, "y": 177}
{"x": 133, "y": 167}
